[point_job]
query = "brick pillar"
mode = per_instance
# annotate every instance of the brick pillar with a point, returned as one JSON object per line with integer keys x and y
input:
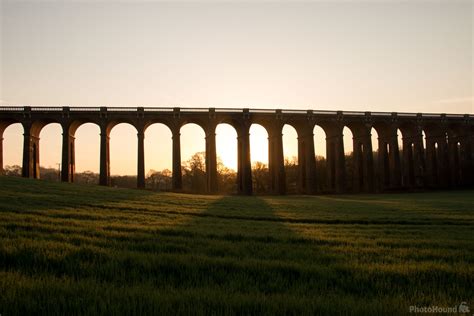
{"x": 363, "y": 162}
{"x": 444, "y": 165}
{"x": 301, "y": 166}
{"x": 408, "y": 172}
{"x": 177, "y": 175}
{"x": 244, "y": 172}
{"x": 340, "y": 164}
{"x": 467, "y": 161}
{"x": 68, "y": 166}
{"x": 25, "y": 172}
{"x": 336, "y": 161}
{"x": 309, "y": 162}
{"x": 1, "y": 153}
{"x": 276, "y": 167}
{"x": 383, "y": 178}
{"x": 369, "y": 173}
{"x": 454, "y": 156}
{"x": 141, "y": 160}
{"x": 104, "y": 178}
{"x": 431, "y": 163}
{"x": 330, "y": 164}
{"x": 419, "y": 168}
{"x": 395, "y": 165}
{"x": 211, "y": 162}
{"x": 30, "y": 156}
{"x": 358, "y": 164}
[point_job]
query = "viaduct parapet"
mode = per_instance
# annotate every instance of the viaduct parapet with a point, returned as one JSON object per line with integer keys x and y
{"x": 446, "y": 161}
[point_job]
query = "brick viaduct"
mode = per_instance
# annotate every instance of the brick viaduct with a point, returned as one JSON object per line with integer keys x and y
{"x": 447, "y": 161}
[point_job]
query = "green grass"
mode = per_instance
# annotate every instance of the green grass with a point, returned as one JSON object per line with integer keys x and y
{"x": 72, "y": 249}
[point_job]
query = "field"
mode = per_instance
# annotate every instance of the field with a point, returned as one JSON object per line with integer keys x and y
{"x": 67, "y": 248}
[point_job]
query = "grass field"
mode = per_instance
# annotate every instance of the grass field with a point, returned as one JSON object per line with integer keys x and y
{"x": 67, "y": 248}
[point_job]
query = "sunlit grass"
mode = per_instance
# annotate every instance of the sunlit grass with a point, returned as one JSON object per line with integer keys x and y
{"x": 68, "y": 248}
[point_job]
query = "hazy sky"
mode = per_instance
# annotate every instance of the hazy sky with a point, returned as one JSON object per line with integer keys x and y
{"x": 412, "y": 56}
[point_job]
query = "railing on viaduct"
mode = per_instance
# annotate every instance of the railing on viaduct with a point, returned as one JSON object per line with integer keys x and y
{"x": 446, "y": 161}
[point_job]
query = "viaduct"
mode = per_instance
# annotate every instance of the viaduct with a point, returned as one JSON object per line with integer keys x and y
{"x": 446, "y": 161}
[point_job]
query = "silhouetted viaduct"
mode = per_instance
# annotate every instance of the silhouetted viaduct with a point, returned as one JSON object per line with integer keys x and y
{"x": 447, "y": 161}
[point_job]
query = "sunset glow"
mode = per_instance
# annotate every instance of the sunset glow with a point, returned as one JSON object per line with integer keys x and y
{"x": 386, "y": 56}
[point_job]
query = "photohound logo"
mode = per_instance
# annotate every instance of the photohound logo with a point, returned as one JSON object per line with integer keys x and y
{"x": 462, "y": 308}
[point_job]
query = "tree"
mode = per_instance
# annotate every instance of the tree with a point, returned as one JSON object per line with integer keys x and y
{"x": 14, "y": 170}
{"x": 159, "y": 180}
{"x": 226, "y": 178}
{"x": 260, "y": 177}
{"x": 50, "y": 174}
{"x": 321, "y": 174}
{"x": 291, "y": 174}
{"x": 194, "y": 173}
{"x": 87, "y": 177}
{"x": 124, "y": 181}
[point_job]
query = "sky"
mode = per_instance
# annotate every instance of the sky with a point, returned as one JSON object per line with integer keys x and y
{"x": 404, "y": 56}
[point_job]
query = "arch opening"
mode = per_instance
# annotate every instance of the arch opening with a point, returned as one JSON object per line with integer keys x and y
{"x": 123, "y": 161}
{"x": 351, "y": 169}
{"x": 12, "y": 150}
{"x": 47, "y": 153}
{"x": 85, "y": 152}
{"x": 226, "y": 148}
{"x": 320, "y": 152}
{"x": 374, "y": 138}
{"x": 290, "y": 154}
{"x": 158, "y": 145}
{"x": 193, "y": 158}
{"x": 259, "y": 152}
{"x": 423, "y": 135}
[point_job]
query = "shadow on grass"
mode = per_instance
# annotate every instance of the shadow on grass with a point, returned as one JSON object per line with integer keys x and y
{"x": 232, "y": 255}
{"x": 23, "y": 195}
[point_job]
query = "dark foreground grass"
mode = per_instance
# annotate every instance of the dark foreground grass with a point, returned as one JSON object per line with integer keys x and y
{"x": 71, "y": 249}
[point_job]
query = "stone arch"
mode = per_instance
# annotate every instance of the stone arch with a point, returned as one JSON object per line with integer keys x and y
{"x": 320, "y": 162}
{"x": 4, "y": 124}
{"x": 292, "y": 161}
{"x": 236, "y": 124}
{"x": 50, "y": 142}
{"x": 224, "y": 132}
{"x": 68, "y": 160}
{"x": 261, "y": 160}
{"x": 84, "y": 137}
{"x": 186, "y": 120}
{"x": 77, "y": 123}
{"x": 32, "y": 156}
{"x": 319, "y": 136}
{"x": 158, "y": 145}
{"x": 226, "y": 157}
{"x": 112, "y": 123}
{"x": 374, "y": 139}
{"x": 164, "y": 121}
{"x": 120, "y": 157}
{"x": 194, "y": 177}
{"x": 12, "y": 127}
{"x": 352, "y": 148}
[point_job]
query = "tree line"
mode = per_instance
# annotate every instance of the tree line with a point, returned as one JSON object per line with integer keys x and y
{"x": 194, "y": 176}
